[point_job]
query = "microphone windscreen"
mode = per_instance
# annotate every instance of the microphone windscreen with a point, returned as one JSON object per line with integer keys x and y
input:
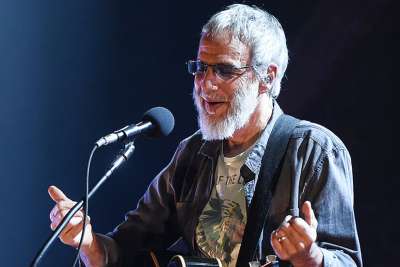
{"x": 162, "y": 119}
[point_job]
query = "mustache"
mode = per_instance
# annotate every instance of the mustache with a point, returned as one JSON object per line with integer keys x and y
{"x": 209, "y": 97}
{"x": 213, "y": 97}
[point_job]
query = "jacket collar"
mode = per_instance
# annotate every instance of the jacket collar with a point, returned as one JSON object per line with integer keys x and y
{"x": 210, "y": 149}
{"x": 253, "y": 161}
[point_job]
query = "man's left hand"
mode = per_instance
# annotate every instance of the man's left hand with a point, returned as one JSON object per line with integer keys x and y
{"x": 294, "y": 240}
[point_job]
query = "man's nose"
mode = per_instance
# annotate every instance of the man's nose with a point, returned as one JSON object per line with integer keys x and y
{"x": 208, "y": 82}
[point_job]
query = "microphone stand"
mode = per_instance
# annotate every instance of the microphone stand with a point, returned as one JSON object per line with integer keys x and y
{"x": 124, "y": 156}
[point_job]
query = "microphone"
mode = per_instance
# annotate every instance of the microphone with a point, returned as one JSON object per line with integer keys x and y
{"x": 156, "y": 122}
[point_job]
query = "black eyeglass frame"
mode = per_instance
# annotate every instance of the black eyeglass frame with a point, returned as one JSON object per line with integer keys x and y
{"x": 222, "y": 70}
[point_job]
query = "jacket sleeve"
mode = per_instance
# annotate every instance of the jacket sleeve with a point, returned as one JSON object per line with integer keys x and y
{"x": 331, "y": 194}
{"x": 150, "y": 226}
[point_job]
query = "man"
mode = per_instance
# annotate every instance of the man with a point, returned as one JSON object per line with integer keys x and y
{"x": 203, "y": 194}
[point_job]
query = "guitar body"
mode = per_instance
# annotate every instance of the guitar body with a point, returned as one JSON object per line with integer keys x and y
{"x": 169, "y": 260}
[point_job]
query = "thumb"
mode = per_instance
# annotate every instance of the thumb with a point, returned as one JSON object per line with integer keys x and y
{"x": 56, "y": 194}
{"x": 309, "y": 215}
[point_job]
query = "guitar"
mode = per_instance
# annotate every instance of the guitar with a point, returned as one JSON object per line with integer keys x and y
{"x": 191, "y": 261}
{"x": 165, "y": 260}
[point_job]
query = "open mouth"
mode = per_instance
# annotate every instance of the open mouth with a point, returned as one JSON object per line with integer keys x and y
{"x": 211, "y": 106}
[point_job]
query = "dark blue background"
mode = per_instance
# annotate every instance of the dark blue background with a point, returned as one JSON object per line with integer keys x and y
{"x": 72, "y": 71}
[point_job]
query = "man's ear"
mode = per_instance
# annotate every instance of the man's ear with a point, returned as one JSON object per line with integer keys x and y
{"x": 266, "y": 84}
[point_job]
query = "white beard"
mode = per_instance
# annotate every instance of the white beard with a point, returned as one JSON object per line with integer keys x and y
{"x": 243, "y": 105}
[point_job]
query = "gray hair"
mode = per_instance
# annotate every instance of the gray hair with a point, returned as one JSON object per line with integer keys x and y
{"x": 260, "y": 31}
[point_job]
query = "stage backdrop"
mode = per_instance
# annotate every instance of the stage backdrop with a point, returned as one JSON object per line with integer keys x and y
{"x": 72, "y": 71}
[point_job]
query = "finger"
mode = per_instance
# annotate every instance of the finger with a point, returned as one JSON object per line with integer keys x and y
{"x": 304, "y": 230}
{"x": 283, "y": 236}
{"x": 63, "y": 205}
{"x": 278, "y": 248}
{"x": 53, "y": 212}
{"x": 56, "y": 194}
{"x": 62, "y": 213}
{"x": 62, "y": 208}
{"x": 74, "y": 223}
{"x": 309, "y": 215}
{"x": 294, "y": 238}
{"x": 59, "y": 216}
{"x": 72, "y": 235}
{"x": 287, "y": 218}
{"x": 66, "y": 204}
{"x": 57, "y": 220}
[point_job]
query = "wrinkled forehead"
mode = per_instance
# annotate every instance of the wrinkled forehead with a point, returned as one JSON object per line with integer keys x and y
{"x": 223, "y": 49}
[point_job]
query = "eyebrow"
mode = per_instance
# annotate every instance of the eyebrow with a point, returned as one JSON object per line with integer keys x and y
{"x": 227, "y": 63}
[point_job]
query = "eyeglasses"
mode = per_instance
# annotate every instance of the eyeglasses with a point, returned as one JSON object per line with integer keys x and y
{"x": 223, "y": 71}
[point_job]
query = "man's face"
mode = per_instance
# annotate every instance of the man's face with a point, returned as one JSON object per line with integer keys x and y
{"x": 224, "y": 104}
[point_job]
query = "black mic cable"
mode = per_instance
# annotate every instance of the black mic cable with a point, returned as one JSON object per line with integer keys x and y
{"x": 156, "y": 122}
{"x": 86, "y": 207}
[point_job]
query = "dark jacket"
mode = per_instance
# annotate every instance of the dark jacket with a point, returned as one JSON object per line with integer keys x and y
{"x": 173, "y": 202}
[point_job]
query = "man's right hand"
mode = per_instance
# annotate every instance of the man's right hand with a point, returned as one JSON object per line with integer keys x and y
{"x": 72, "y": 233}
{"x": 92, "y": 251}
